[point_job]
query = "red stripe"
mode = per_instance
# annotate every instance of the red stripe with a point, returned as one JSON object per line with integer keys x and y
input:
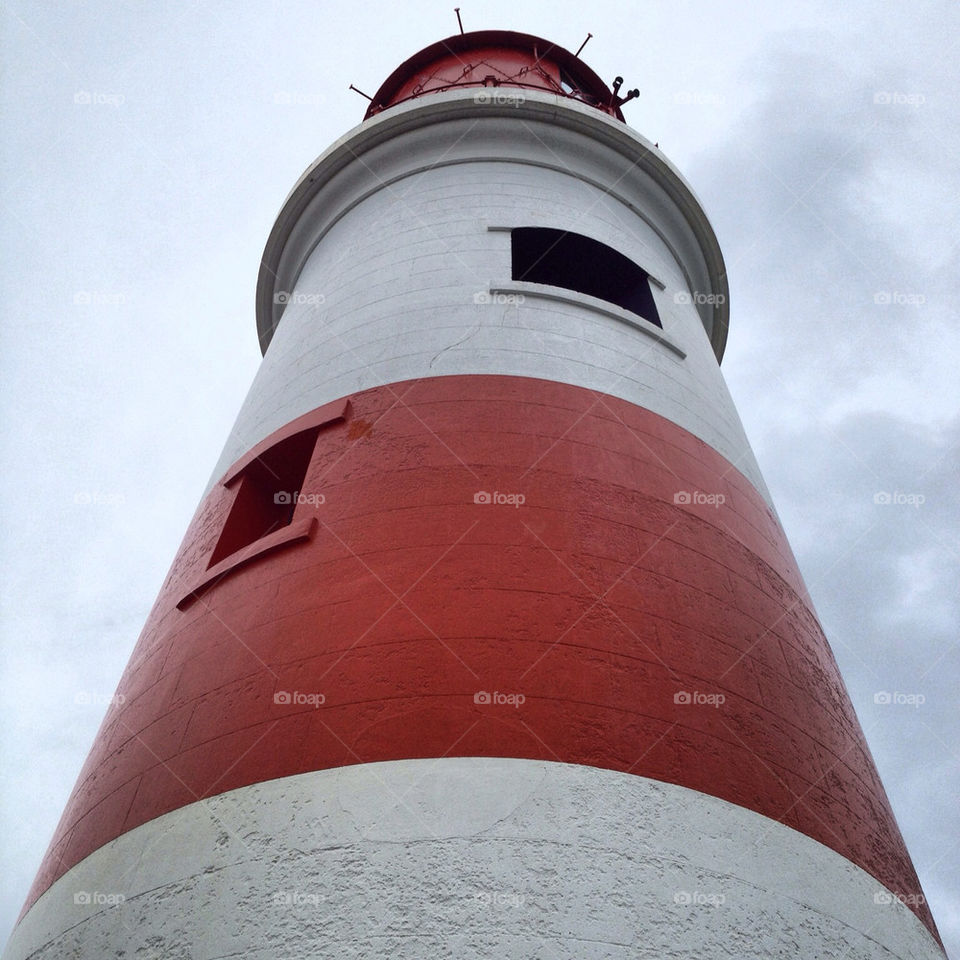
{"x": 599, "y": 600}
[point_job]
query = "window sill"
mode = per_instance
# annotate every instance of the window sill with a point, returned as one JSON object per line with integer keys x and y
{"x": 543, "y": 291}
{"x": 297, "y": 532}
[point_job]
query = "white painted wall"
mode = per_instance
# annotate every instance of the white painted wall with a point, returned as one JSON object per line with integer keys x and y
{"x": 468, "y": 857}
{"x": 390, "y": 290}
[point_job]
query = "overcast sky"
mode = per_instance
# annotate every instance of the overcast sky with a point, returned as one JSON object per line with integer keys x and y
{"x": 147, "y": 148}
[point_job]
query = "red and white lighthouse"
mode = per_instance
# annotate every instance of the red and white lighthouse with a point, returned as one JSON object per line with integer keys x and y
{"x": 485, "y": 639}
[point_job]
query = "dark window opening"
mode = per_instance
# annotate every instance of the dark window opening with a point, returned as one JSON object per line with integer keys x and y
{"x": 575, "y": 262}
{"x": 268, "y": 489}
{"x": 567, "y": 85}
{"x": 573, "y": 89}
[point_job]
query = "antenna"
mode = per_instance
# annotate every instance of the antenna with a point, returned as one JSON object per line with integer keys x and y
{"x": 456, "y": 10}
{"x": 582, "y": 45}
{"x": 362, "y": 94}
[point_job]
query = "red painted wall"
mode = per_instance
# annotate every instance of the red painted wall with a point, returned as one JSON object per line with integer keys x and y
{"x": 599, "y": 599}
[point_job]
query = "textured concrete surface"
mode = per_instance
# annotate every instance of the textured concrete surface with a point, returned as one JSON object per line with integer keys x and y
{"x": 468, "y": 857}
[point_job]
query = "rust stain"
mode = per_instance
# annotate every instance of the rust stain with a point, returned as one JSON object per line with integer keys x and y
{"x": 358, "y": 429}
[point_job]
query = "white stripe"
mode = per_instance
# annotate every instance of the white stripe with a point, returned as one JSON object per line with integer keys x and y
{"x": 381, "y": 261}
{"x": 465, "y": 857}
{"x": 411, "y": 312}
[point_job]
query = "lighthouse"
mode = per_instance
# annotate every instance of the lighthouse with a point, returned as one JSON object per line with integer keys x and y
{"x": 485, "y": 638}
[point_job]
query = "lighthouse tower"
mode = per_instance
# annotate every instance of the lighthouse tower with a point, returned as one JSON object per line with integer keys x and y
{"x": 485, "y": 640}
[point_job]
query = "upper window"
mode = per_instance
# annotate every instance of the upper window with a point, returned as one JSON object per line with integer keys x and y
{"x": 576, "y": 262}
